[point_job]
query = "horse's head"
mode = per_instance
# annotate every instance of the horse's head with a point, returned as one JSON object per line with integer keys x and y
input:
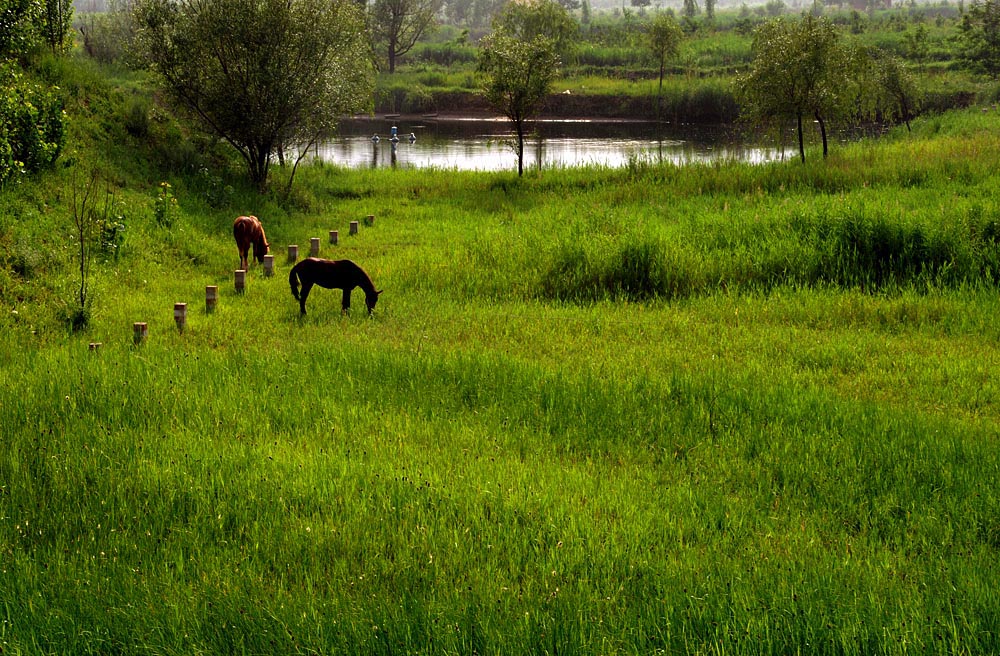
{"x": 260, "y": 249}
{"x": 371, "y": 298}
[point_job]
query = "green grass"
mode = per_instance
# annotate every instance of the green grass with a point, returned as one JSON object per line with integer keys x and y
{"x": 710, "y": 409}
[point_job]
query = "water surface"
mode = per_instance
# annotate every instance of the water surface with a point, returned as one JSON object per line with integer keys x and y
{"x": 484, "y": 144}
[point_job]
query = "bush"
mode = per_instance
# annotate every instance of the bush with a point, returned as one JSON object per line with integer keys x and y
{"x": 137, "y": 117}
{"x": 32, "y": 125}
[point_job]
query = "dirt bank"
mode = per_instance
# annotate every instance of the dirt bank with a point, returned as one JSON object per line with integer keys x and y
{"x": 573, "y": 105}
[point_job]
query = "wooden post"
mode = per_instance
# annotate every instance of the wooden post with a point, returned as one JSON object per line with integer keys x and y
{"x": 370, "y": 220}
{"x": 211, "y": 298}
{"x": 354, "y": 227}
{"x": 313, "y": 246}
{"x": 268, "y": 265}
{"x": 180, "y": 315}
{"x": 241, "y": 280}
{"x": 334, "y": 237}
{"x": 140, "y": 331}
{"x": 293, "y": 252}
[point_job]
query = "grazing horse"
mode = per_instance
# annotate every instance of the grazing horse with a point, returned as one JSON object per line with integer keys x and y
{"x": 331, "y": 274}
{"x": 249, "y": 232}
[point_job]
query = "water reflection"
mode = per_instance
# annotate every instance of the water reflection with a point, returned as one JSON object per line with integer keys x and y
{"x": 484, "y": 144}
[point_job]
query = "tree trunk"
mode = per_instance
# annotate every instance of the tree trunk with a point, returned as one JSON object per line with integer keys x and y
{"x": 822, "y": 131}
{"x": 802, "y": 149}
{"x": 258, "y": 163}
{"x": 519, "y": 124}
{"x": 659, "y": 93}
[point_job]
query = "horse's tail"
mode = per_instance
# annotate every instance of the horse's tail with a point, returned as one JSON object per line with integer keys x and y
{"x": 293, "y": 282}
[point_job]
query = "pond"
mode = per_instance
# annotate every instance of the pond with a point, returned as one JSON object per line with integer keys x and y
{"x": 483, "y": 143}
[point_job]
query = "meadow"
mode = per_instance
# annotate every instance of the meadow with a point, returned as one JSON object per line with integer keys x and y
{"x": 720, "y": 409}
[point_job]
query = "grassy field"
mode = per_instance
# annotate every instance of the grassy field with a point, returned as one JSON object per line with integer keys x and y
{"x": 716, "y": 409}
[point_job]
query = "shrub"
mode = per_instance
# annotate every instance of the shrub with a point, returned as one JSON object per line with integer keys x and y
{"x": 32, "y": 125}
{"x": 137, "y": 117}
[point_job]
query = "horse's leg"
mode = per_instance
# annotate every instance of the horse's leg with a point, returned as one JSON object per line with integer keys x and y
{"x": 306, "y": 286}
{"x": 345, "y": 302}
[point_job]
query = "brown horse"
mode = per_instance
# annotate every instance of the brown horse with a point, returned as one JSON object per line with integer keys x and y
{"x": 331, "y": 274}
{"x": 249, "y": 232}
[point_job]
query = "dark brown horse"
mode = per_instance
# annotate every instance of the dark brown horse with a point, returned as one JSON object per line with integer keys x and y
{"x": 331, "y": 274}
{"x": 249, "y": 232}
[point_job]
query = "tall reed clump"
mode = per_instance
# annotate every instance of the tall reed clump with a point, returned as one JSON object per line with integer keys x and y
{"x": 636, "y": 268}
{"x": 876, "y": 253}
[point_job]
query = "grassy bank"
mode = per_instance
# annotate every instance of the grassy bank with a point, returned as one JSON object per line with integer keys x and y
{"x": 712, "y": 409}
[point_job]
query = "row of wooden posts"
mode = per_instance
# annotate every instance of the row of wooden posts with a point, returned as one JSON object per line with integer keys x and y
{"x": 141, "y": 328}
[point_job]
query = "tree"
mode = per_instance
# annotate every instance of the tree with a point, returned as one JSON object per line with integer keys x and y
{"x": 32, "y": 124}
{"x": 800, "y": 68}
{"x": 396, "y": 25}
{"x": 57, "y": 21}
{"x": 916, "y": 43}
{"x": 516, "y": 78}
{"x": 664, "y": 40}
{"x": 528, "y": 19}
{"x": 261, "y": 73}
{"x": 17, "y": 21}
{"x": 483, "y": 11}
{"x": 896, "y": 91}
{"x": 980, "y": 37}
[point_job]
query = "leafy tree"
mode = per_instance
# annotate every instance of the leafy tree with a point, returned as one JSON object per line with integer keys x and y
{"x": 17, "y": 21}
{"x": 774, "y": 8}
{"x": 458, "y": 12}
{"x": 980, "y": 37}
{"x": 528, "y": 19}
{"x": 516, "y": 75}
{"x": 396, "y": 25}
{"x": 32, "y": 124}
{"x": 57, "y": 21}
{"x": 111, "y": 36}
{"x": 916, "y": 44}
{"x": 261, "y": 73}
{"x": 664, "y": 40}
{"x": 800, "y": 68}
{"x": 896, "y": 91}
{"x": 483, "y": 11}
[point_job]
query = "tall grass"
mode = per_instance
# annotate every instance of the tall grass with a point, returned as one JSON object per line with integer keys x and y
{"x": 710, "y": 409}
{"x": 482, "y": 504}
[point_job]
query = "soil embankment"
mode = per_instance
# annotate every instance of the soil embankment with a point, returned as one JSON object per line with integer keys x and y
{"x": 701, "y": 106}
{"x": 573, "y": 105}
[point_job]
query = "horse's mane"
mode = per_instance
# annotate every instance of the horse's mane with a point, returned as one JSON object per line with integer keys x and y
{"x": 260, "y": 241}
{"x": 364, "y": 280}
